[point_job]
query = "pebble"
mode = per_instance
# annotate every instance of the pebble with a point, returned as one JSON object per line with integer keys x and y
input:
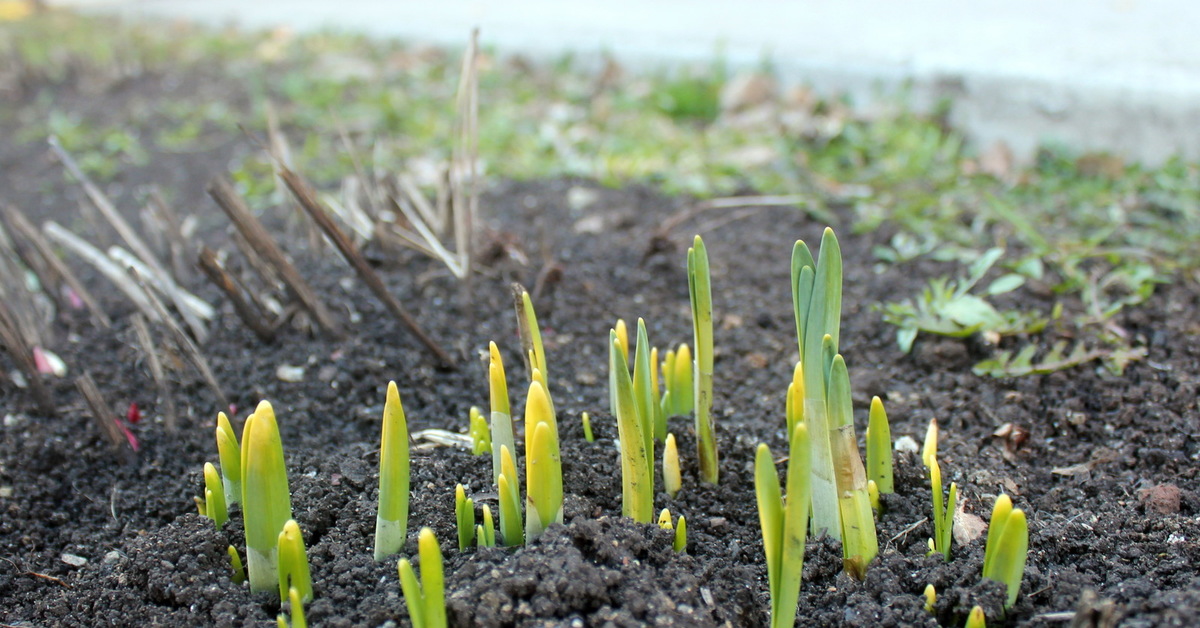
{"x": 112, "y": 556}
{"x": 906, "y": 443}
{"x": 73, "y": 560}
{"x": 288, "y": 373}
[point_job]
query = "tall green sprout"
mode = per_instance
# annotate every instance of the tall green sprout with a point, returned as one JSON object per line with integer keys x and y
{"x": 817, "y": 302}
{"x": 679, "y": 395}
{"x": 293, "y": 564}
{"x": 231, "y": 459}
{"x": 391, "y": 522}
{"x": 1007, "y": 547}
{"x": 943, "y": 512}
{"x": 214, "y": 496}
{"x": 644, "y": 395}
{"x": 543, "y": 464}
{"x": 266, "y": 502}
{"x": 426, "y": 598}
{"x": 637, "y": 483}
{"x": 784, "y": 523}
{"x": 859, "y": 541}
{"x": 508, "y": 487}
{"x": 879, "y": 448}
{"x": 700, "y": 291}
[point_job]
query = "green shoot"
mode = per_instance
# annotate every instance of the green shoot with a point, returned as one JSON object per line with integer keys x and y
{"x": 943, "y": 514}
{"x": 512, "y": 532}
{"x": 214, "y": 496}
{"x": 426, "y": 599}
{"x": 587, "y": 427}
{"x": 680, "y": 544}
{"x": 672, "y": 478}
{"x": 464, "y": 514}
{"x": 531, "y": 334}
{"x": 543, "y": 466}
{"x": 976, "y": 619}
{"x": 784, "y": 523}
{"x": 502, "y": 430}
{"x": 817, "y": 301}
{"x": 654, "y": 403}
{"x": 637, "y": 483}
{"x": 298, "y": 620}
{"x": 293, "y": 564}
{"x": 1007, "y": 547}
{"x": 622, "y": 331}
{"x": 664, "y": 520}
{"x": 930, "y": 598}
{"x": 643, "y": 391}
{"x": 700, "y": 290}
{"x": 794, "y": 400}
{"x": 930, "y": 448}
{"x": 481, "y": 435}
{"x": 873, "y": 494}
{"x": 235, "y": 564}
{"x": 266, "y": 502}
{"x": 879, "y": 448}
{"x": 679, "y": 396}
{"x": 231, "y": 459}
{"x": 859, "y": 541}
{"x": 391, "y": 522}
{"x": 485, "y": 533}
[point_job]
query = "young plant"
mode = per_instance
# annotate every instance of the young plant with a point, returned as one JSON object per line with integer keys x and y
{"x": 502, "y": 429}
{"x": 943, "y": 513}
{"x": 485, "y": 533}
{"x": 784, "y": 523}
{"x": 391, "y": 521}
{"x": 293, "y": 565}
{"x": 622, "y": 331}
{"x": 679, "y": 396}
{"x": 672, "y": 478}
{"x": 644, "y": 393}
{"x": 531, "y": 334}
{"x": 426, "y": 599}
{"x": 543, "y": 465}
{"x": 586, "y": 419}
{"x": 700, "y": 291}
{"x": 1007, "y": 547}
{"x": 859, "y": 541}
{"x": 481, "y": 436}
{"x": 298, "y": 620}
{"x": 679, "y": 544}
{"x": 266, "y": 502}
{"x": 930, "y": 598}
{"x": 817, "y": 304}
{"x": 235, "y": 565}
{"x": 214, "y": 496}
{"x": 976, "y": 619}
{"x": 464, "y": 514}
{"x": 637, "y": 483}
{"x": 512, "y": 531}
{"x": 231, "y": 459}
{"x": 930, "y": 448}
{"x": 879, "y": 448}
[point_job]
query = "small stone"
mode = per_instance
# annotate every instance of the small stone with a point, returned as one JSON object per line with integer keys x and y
{"x": 1162, "y": 499}
{"x": 73, "y": 560}
{"x": 907, "y": 444}
{"x": 581, "y": 198}
{"x": 6, "y": 491}
{"x": 112, "y": 556}
{"x": 291, "y": 374}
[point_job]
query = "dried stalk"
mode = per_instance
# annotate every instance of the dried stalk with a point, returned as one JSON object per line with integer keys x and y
{"x": 105, "y": 418}
{"x": 262, "y": 242}
{"x": 248, "y": 311}
{"x": 21, "y": 225}
{"x": 142, "y": 331}
{"x": 22, "y": 354}
{"x": 110, "y": 269}
{"x": 308, "y": 200}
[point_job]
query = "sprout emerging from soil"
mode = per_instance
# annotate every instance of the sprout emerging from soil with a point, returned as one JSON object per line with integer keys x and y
{"x": 679, "y": 544}
{"x": 672, "y": 478}
{"x": 700, "y": 291}
{"x": 391, "y": 522}
{"x": 481, "y": 436}
{"x": 464, "y": 515}
{"x": 231, "y": 459}
{"x": 784, "y": 523}
{"x": 512, "y": 531}
{"x": 637, "y": 485}
{"x": 930, "y": 598}
{"x": 929, "y": 449}
{"x": 235, "y": 565}
{"x": 859, "y": 541}
{"x": 879, "y": 448}
{"x": 293, "y": 565}
{"x": 976, "y": 619}
{"x": 543, "y": 464}
{"x": 426, "y": 599}
{"x": 1007, "y": 547}
{"x": 644, "y": 393}
{"x": 586, "y": 419}
{"x": 678, "y": 397}
{"x": 502, "y": 430}
{"x": 943, "y": 513}
{"x": 266, "y": 502}
{"x": 531, "y": 334}
{"x": 214, "y": 496}
{"x": 298, "y": 620}
{"x": 485, "y": 533}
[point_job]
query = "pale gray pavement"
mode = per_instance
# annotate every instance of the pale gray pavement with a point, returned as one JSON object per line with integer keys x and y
{"x": 1116, "y": 75}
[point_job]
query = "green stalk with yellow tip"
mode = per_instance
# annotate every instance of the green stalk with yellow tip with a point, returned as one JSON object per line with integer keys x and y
{"x": 485, "y": 533}
{"x": 859, "y": 541}
{"x": 214, "y": 496}
{"x": 231, "y": 459}
{"x": 543, "y": 465}
{"x": 298, "y": 620}
{"x": 464, "y": 514}
{"x": 672, "y": 477}
{"x": 679, "y": 395}
{"x": 794, "y": 401}
{"x": 700, "y": 293}
{"x": 784, "y": 523}
{"x": 293, "y": 564}
{"x": 643, "y": 390}
{"x": 637, "y": 483}
{"x": 426, "y": 598}
{"x": 391, "y": 521}
{"x": 654, "y": 403}
{"x": 1007, "y": 547}
{"x": 235, "y": 565}
{"x": 481, "y": 435}
{"x": 512, "y": 531}
{"x": 266, "y": 502}
{"x": 879, "y": 448}
{"x": 929, "y": 449}
{"x": 680, "y": 544}
{"x": 531, "y": 334}
{"x": 664, "y": 520}
{"x": 586, "y": 419}
{"x": 502, "y": 428}
{"x": 943, "y": 512}
{"x": 817, "y": 304}
{"x": 976, "y": 619}
{"x": 930, "y": 598}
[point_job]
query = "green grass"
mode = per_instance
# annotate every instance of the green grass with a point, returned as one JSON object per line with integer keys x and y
{"x": 1094, "y": 233}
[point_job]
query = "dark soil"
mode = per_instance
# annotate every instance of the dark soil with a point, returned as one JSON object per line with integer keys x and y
{"x": 1125, "y": 527}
